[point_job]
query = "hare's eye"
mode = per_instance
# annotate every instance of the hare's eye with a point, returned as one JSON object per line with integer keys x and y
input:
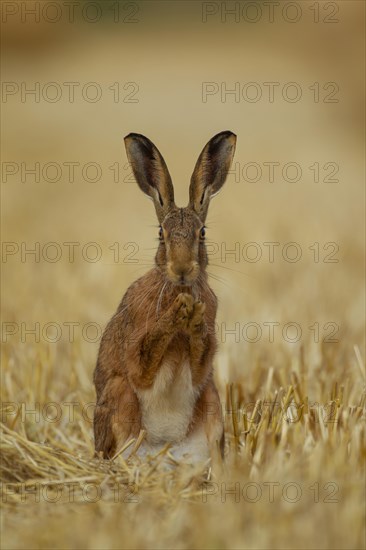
{"x": 160, "y": 232}
{"x": 203, "y": 232}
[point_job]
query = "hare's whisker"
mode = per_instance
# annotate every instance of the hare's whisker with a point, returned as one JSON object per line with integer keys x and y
{"x": 160, "y": 298}
{"x": 231, "y": 269}
{"x": 219, "y": 279}
{"x": 144, "y": 296}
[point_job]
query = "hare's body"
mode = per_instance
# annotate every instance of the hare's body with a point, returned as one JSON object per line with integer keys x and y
{"x": 154, "y": 369}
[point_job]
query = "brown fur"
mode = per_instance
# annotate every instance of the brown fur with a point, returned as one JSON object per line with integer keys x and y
{"x": 168, "y": 313}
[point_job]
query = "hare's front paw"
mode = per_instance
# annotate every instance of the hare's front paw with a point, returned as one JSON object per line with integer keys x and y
{"x": 189, "y": 314}
{"x": 183, "y": 305}
{"x": 197, "y": 320}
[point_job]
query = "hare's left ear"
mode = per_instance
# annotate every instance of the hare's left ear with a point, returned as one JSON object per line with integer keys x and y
{"x": 210, "y": 172}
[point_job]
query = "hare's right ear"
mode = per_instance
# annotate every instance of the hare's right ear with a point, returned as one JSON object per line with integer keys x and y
{"x": 151, "y": 172}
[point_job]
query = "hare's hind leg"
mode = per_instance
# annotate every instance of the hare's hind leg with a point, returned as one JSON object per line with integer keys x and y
{"x": 211, "y": 417}
{"x": 207, "y": 429}
{"x": 116, "y": 417}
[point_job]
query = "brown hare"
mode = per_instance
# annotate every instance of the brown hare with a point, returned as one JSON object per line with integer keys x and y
{"x": 154, "y": 370}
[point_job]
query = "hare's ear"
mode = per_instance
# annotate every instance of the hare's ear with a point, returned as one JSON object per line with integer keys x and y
{"x": 151, "y": 172}
{"x": 210, "y": 172}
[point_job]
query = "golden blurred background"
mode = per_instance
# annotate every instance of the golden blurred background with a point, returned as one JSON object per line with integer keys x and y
{"x": 288, "y": 79}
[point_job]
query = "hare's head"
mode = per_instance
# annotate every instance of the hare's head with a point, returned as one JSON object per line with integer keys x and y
{"x": 181, "y": 253}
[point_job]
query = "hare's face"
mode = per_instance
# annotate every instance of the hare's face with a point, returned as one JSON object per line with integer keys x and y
{"x": 182, "y": 246}
{"x": 182, "y": 252}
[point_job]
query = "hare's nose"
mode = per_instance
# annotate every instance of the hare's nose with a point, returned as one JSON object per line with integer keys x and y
{"x": 183, "y": 273}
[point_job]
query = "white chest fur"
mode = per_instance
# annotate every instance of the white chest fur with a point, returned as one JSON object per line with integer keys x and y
{"x": 167, "y": 407}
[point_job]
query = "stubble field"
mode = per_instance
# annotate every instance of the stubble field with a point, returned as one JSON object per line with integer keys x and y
{"x": 286, "y": 261}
